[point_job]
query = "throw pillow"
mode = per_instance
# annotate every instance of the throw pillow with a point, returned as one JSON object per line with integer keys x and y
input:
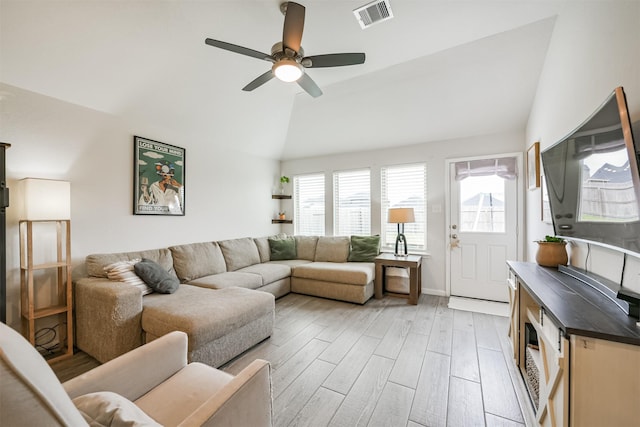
{"x": 364, "y": 248}
{"x": 123, "y": 271}
{"x": 106, "y": 408}
{"x": 282, "y": 248}
{"x": 156, "y": 277}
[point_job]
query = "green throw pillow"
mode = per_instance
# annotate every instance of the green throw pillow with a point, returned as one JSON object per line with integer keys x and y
{"x": 282, "y": 248}
{"x": 364, "y": 248}
{"x": 158, "y": 279}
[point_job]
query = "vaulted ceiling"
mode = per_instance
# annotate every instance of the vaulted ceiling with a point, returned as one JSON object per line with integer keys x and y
{"x": 438, "y": 70}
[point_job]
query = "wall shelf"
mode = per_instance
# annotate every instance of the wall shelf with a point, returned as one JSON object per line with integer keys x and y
{"x": 280, "y": 196}
{"x": 281, "y": 221}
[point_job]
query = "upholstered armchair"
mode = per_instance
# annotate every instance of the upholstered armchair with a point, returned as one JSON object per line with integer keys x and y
{"x": 151, "y": 385}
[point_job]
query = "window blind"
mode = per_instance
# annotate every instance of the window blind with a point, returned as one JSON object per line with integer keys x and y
{"x": 352, "y": 202}
{"x": 404, "y": 186}
{"x": 308, "y": 199}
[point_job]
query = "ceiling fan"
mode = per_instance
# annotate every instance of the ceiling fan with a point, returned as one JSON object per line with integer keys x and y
{"x": 288, "y": 58}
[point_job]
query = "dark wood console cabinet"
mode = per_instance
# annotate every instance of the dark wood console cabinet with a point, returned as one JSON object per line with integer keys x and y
{"x": 584, "y": 349}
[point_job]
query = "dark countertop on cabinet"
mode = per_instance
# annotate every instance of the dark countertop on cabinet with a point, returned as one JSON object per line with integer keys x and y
{"x": 576, "y": 307}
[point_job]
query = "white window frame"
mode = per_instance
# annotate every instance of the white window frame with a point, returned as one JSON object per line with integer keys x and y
{"x": 298, "y": 211}
{"x": 339, "y": 230}
{"x": 420, "y": 210}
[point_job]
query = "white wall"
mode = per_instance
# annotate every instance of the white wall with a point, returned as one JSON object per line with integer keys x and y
{"x": 227, "y": 192}
{"x": 434, "y": 154}
{"x": 595, "y": 47}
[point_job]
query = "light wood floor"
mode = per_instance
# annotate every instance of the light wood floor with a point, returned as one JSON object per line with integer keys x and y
{"x": 385, "y": 363}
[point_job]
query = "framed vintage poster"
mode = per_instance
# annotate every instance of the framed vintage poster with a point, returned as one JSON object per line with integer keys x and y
{"x": 158, "y": 178}
{"x": 533, "y": 166}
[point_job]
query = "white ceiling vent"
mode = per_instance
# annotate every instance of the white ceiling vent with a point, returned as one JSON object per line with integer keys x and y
{"x": 372, "y": 13}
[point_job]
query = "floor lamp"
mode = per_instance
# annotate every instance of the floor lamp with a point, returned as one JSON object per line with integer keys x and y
{"x": 401, "y": 216}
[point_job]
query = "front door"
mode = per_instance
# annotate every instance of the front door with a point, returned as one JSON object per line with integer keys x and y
{"x": 483, "y": 225}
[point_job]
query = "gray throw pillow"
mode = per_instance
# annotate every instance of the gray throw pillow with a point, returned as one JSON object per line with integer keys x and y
{"x": 156, "y": 277}
{"x": 364, "y": 248}
{"x": 282, "y": 248}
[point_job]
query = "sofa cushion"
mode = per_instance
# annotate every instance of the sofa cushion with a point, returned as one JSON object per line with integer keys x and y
{"x": 332, "y": 249}
{"x": 282, "y": 248}
{"x": 269, "y": 272}
{"x": 156, "y": 277}
{"x": 306, "y": 247}
{"x": 97, "y": 262}
{"x": 364, "y": 248}
{"x": 360, "y": 273}
{"x": 106, "y": 408}
{"x": 197, "y": 260}
{"x": 239, "y": 253}
{"x": 262, "y": 243}
{"x": 209, "y": 314}
{"x": 229, "y": 279}
{"x": 123, "y": 271}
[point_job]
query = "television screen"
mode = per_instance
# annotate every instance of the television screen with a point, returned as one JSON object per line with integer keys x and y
{"x": 593, "y": 182}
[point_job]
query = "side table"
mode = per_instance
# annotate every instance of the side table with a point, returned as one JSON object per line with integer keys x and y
{"x": 412, "y": 262}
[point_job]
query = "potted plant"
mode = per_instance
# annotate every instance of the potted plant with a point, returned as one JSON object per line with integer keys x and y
{"x": 552, "y": 251}
{"x": 283, "y": 180}
{"x": 282, "y": 215}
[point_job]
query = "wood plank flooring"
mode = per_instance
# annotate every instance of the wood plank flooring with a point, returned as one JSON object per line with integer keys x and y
{"x": 385, "y": 363}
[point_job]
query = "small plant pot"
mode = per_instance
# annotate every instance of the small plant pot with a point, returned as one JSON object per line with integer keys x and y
{"x": 282, "y": 216}
{"x": 552, "y": 254}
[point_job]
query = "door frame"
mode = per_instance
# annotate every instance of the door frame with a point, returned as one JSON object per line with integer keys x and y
{"x": 520, "y": 189}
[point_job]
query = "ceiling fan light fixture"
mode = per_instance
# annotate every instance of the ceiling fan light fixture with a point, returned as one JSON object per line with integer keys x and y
{"x": 287, "y": 70}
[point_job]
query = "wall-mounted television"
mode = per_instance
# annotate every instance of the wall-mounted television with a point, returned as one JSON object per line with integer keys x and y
{"x": 593, "y": 181}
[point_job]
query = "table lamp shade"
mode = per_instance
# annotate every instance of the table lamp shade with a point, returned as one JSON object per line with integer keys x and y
{"x": 401, "y": 215}
{"x": 45, "y": 199}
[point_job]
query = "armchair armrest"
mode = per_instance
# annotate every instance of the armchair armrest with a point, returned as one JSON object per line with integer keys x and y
{"x": 136, "y": 372}
{"x": 108, "y": 317}
{"x": 245, "y": 400}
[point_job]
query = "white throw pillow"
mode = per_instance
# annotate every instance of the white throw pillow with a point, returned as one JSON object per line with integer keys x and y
{"x": 106, "y": 408}
{"x": 122, "y": 271}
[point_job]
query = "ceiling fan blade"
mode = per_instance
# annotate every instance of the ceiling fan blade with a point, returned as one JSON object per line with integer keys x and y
{"x": 258, "y": 81}
{"x": 333, "y": 60}
{"x": 309, "y": 85}
{"x": 238, "y": 49}
{"x": 293, "y": 26}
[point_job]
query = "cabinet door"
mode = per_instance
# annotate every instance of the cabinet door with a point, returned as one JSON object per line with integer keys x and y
{"x": 605, "y": 383}
{"x": 512, "y": 285}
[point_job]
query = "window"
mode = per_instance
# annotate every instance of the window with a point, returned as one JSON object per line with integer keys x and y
{"x": 404, "y": 186}
{"x": 308, "y": 199}
{"x": 352, "y": 203}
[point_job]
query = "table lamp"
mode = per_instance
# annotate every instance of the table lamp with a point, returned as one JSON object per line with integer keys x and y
{"x": 401, "y": 216}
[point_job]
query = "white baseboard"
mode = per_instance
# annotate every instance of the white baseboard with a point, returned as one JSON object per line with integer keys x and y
{"x": 479, "y": 306}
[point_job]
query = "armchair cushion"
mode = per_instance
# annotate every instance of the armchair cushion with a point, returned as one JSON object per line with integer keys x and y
{"x": 30, "y": 393}
{"x": 106, "y": 408}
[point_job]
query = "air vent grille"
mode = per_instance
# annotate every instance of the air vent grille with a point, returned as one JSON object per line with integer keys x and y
{"x": 373, "y": 13}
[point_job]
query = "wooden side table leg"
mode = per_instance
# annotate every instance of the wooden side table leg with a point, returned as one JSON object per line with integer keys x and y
{"x": 378, "y": 281}
{"x": 413, "y": 286}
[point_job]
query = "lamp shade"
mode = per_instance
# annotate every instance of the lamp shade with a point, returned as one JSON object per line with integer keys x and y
{"x": 401, "y": 215}
{"x": 45, "y": 199}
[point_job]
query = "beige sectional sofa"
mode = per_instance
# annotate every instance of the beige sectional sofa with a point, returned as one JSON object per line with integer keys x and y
{"x": 226, "y": 298}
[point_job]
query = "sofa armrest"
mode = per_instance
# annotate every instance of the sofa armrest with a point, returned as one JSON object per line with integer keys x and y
{"x": 244, "y": 401}
{"x": 136, "y": 372}
{"x": 108, "y": 317}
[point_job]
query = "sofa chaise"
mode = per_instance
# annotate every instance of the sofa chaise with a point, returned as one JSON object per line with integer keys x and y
{"x": 225, "y": 301}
